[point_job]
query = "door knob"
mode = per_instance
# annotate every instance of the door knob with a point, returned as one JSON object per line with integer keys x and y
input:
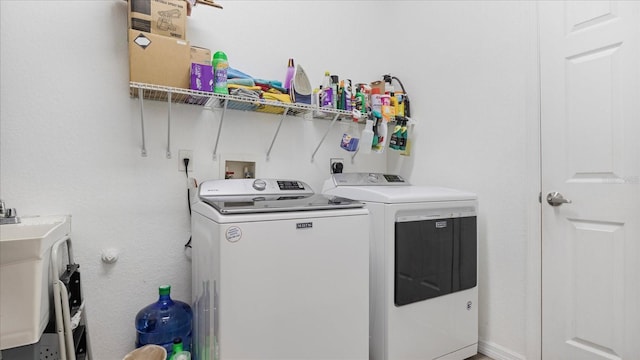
{"x": 556, "y": 199}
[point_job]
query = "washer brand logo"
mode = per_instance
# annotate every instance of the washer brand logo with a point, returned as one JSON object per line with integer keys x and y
{"x": 469, "y": 305}
{"x": 307, "y": 225}
{"x": 441, "y": 224}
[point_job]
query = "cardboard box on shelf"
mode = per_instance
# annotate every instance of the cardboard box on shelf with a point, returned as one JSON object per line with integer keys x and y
{"x": 162, "y": 17}
{"x": 200, "y": 55}
{"x": 210, "y": 3}
{"x": 159, "y": 60}
{"x": 192, "y": 3}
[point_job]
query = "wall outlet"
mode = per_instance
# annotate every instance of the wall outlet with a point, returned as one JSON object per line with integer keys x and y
{"x": 336, "y": 165}
{"x": 185, "y": 154}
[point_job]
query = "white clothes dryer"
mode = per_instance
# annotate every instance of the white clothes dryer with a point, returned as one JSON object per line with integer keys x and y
{"x": 278, "y": 272}
{"x": 423, "y": 287}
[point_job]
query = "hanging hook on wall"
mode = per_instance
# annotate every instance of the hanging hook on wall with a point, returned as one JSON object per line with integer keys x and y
{"x": 140, "y": 96}
{"x": 169, "y": 126}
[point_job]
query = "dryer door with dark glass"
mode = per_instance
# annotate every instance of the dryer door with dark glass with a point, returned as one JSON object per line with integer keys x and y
{"x": 434, "y": 258}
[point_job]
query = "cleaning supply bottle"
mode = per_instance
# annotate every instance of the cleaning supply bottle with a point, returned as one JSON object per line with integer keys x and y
{"x": 357, "y": 101}
{"x": 394, "y": 103}
{"x": 395, "y": 139}
{"x": 326, "y": 80}
{"x": 366, "y": 139}
{"x": 372, "y": 117}
{"x": 361, "y": 99}
{"x": 382, "y": 136}
{"x": 402, "y": 141}
{"x": 178, "y": 352}
{"x": 326, "y": 95}
{"x": 315, "y": 97}
{"x": 339, "y": 92}
{"x": 376, "y": 100}
{"x": 177, "y": 348}
{"x": 346, "y": 96}
{"x": 334, "y": 89}
{"x": 289, "y": 77}
{"x": 400, "y": 107}
{"x": 381, "y": 132}
{"x": 385, "y": 107}
{"x": 161, "y": 322}
{"x": 220, "y": 66}
{"x": 406, "y": 141}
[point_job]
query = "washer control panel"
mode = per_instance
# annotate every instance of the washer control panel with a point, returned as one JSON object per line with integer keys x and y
{"x": 251, "y": 187}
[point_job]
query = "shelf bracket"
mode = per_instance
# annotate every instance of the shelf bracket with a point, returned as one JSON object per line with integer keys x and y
{"x": 215, "y": 147}
{"x": 140, "y": 96}
{"x": 325, "y": 135}
{"x": 355, "y": 153}
{"x": 169, "y": 126}
{"x": 284, "y": 115}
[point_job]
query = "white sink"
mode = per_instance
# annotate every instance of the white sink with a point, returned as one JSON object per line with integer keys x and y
{"x": 25, "y": 287}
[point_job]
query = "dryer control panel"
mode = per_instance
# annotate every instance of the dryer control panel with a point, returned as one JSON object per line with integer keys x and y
{"x": 368, "y": 179}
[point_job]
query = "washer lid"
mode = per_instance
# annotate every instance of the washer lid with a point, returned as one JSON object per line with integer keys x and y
{"x": 286, "y": 203}
{"x": 388, "y": 189}
{"x": 242, "y": 196}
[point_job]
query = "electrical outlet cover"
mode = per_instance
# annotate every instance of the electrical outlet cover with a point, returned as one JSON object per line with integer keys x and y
{"x": 333, "y": 161}
{"x": 182, "y": 154}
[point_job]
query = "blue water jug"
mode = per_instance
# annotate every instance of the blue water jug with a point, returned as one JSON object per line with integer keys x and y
{"x": 163, "y": 321}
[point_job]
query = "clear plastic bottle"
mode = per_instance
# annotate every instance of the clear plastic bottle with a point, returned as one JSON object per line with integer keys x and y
{"x": 366, "y": 139}
{"x": 161, "y": 322}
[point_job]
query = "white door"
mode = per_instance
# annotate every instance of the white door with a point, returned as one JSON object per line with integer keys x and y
{"x": 590, "y": 109}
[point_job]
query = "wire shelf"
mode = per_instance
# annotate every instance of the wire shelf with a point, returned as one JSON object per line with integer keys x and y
{"x": 224, "y": 102}
{"x": 217, "y": 101}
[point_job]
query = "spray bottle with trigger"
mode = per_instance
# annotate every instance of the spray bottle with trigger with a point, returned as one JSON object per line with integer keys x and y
{"x": 381, "y": 132}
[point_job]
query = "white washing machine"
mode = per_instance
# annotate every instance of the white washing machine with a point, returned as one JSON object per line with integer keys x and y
{"x": 278, "y": 272}
{"x": 423, "y": 293}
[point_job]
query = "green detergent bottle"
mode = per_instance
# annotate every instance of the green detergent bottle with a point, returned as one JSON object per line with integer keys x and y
{"x": 220, "y": 66}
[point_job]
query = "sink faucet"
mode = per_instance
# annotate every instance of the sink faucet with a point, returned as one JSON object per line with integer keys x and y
{"x": 8, "y": 215}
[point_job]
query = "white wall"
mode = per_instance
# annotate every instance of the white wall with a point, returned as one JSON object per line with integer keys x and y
{"x": 70, "y": 134}
{"x": 477, "y": 108}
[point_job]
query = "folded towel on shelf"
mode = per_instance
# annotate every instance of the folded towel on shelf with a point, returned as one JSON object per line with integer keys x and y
{"x": 276, "y": 97}
{"x": 250, "y": 97}
{"x": 272, "y": 83}
{"x": 246, "y": 87}
{"x": 250, "y": 93}
{"x": 240, "y": 81}
{"x": 281, "y": 98}
{"x": 237, "y": 74}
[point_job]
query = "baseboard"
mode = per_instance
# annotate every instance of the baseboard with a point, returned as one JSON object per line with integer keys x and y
{"x": 498, "y": 352}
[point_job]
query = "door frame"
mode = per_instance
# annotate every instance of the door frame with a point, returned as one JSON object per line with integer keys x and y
{"x": 533, "y": 297}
